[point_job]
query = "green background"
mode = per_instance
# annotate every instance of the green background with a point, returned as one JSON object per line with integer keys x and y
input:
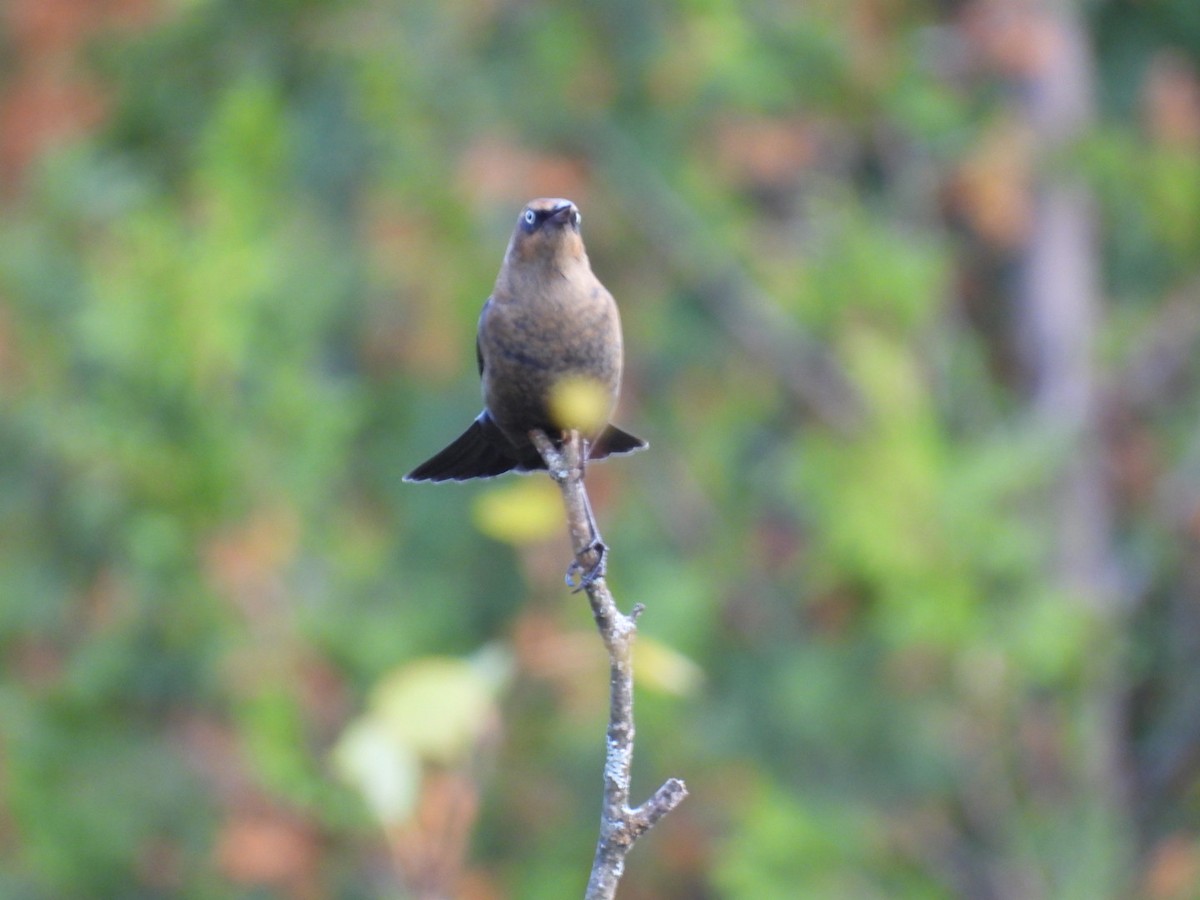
{"x": 912, "y": 629}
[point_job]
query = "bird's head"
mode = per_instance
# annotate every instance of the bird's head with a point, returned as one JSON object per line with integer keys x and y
{"x": 547, "y": 230}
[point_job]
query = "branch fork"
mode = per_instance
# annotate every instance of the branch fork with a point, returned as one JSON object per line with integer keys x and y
{"x": 620, "y": 824}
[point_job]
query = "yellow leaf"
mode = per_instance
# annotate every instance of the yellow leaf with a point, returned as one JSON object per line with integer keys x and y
{"x": 526, "y": 511}
{"x": 438, "y": 707}
{"x": 581, "y": 404}
{"x": 383, "y": 770}
{"x": 664, "y": 669}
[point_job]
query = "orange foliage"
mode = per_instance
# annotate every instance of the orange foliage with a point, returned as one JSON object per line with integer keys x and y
{"x": 49, "y": 96}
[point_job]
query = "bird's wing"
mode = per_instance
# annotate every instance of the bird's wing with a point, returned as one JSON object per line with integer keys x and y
{"x": 478, "y": 348}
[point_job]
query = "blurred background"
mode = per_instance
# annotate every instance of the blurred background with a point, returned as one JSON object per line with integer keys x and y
{"x": 911, "y": 294}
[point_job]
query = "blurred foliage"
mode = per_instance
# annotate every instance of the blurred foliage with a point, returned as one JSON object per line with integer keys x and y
{"x": 242, "y": 251}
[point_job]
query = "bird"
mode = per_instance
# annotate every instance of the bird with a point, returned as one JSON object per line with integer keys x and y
{"x": 549, "y": 326}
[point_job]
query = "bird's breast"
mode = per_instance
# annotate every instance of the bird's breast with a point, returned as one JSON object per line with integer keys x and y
{"x": 531, "y": 343}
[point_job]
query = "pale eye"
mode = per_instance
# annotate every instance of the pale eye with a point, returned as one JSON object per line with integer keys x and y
{"x": 530, "y": 217}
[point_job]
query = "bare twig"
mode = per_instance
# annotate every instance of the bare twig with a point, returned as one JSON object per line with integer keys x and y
{"x": 620, "y": 825}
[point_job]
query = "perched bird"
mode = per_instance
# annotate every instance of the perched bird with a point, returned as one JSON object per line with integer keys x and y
{"x": 549, "y": 336}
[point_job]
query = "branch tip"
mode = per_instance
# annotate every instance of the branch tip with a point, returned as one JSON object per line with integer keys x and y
{"x": 620, "y": 826}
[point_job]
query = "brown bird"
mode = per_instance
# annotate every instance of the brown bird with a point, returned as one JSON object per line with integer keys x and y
{"x": 548, "y": 324}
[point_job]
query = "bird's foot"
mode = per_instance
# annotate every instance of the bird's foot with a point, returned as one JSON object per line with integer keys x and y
{"x": 580, "y": 576}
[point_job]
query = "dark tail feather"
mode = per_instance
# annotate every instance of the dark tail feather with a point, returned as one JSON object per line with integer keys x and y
{"x": 471, "y": 455}
{"x": 614, "y": 441}
{"x": 479, "y": 452}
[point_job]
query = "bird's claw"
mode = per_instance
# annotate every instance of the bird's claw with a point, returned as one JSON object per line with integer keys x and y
{"x": 580, "y": 576}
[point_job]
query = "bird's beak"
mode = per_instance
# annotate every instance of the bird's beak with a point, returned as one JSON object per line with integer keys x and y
{"x": 566, "y": 214}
